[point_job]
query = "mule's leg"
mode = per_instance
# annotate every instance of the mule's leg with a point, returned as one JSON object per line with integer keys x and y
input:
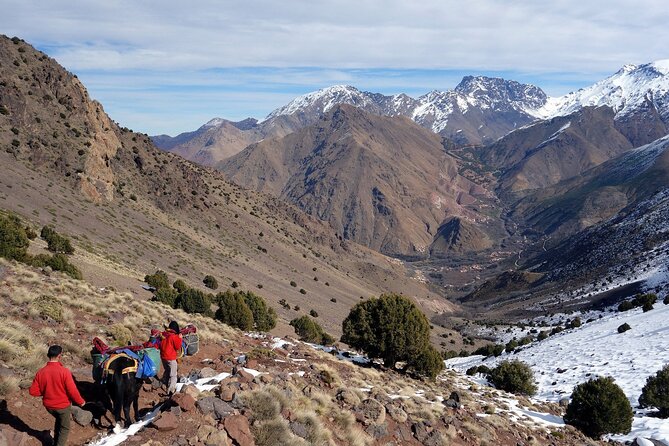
{"x": 126, "y": 412}
{"x": 118, "y": 400}
{"x": 135, "y": 403}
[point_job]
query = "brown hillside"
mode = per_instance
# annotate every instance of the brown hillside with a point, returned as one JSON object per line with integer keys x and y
{"x": 132, "y": 208}
{"x": 386, "y": 183}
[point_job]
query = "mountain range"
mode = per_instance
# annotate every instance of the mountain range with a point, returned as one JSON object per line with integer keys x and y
{"x": 481, "y": 173}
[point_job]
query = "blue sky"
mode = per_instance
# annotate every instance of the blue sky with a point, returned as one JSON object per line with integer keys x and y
{"x": 168, "y": 67}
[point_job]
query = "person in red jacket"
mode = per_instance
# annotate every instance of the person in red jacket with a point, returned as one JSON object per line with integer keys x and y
{"x": 54, "y": 383}
{"x": 170, "y": 349}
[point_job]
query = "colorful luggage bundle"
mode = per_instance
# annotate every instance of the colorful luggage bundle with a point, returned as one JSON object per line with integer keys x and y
{"x": 190, "y": 340}
{"x": 147, "y": 358}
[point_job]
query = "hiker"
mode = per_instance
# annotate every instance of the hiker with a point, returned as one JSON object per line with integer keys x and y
{"x": 170, "y": 347}
{"x": 54, "y": 383}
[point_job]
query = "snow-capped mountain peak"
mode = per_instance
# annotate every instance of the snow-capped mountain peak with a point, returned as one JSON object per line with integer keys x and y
{"x": 214, "y": 122}
{"x": 626, "y": 91}
{"x": 323, "y": 100}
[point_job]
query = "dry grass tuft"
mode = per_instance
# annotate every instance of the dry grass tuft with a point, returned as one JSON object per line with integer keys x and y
{"x": 48, "y": 307}
{"x": 275, "y": 432}
{"x": 120, "y": 333}
{"x": 263, "y": 404}
{"x": 317, "y": 435}
{"x": 9, "y": 385}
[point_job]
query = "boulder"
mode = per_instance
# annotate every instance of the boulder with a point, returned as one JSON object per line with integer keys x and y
{"x": 13, "y": 438}
{"x": 208, "y": 372}
{"x": 214, "y": 406}
{"x": 421, "y": 431}
{"x": 191, "y": 390}
{"x": 244, "y": 376}
{"x": 299, "y": 429}
{"x": 227, "y": 394}
{"x": 396, "y": 413}
{"x": 377, "y": 430}
{"x": 185, "y": 401}
{"x": 237, "y": 427}
{"x": 210, "y": 436}
{"x": 370, "y": 411}
{"x": 167, "y": 421}
{"x": 81, "y": 417}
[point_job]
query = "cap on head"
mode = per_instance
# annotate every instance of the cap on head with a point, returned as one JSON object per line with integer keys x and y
{"x": 54, "y": 351}
{"x": 174, "y": 326}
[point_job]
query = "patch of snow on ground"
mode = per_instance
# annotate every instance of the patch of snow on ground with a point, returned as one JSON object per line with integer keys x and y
{"x": 597, "y": 349}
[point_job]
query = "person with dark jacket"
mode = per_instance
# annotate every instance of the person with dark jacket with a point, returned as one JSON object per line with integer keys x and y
{"x": 170, "y": 349}
{"x": 54, "y": 383}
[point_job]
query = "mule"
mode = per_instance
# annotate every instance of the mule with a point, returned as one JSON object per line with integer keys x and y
{"x": 123, "y": 387}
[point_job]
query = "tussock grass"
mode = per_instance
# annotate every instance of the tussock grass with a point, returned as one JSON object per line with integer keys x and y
{"x": 317, "y": 435}
{"x": 275, "y": 432}
{"x": 348, "y": 430}
{"x": 9, "y": 385}
{"x": 263, "y": 404}
{"x": 48, "y": 307}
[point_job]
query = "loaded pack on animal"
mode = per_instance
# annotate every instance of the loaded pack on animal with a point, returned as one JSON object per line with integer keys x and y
{"x": 121, "y": 371}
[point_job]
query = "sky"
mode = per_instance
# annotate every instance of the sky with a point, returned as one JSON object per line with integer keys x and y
{"x": 169, "y": 67}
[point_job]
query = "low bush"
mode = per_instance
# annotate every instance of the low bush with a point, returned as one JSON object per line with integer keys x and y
{"x": 513, "y": 376}
{"x": 599, "y": 407}
{"x": 168, "y": 296}
{"x": 48, "y": 307}
{"x": 194, "y": 301}
{"x": 210, "y": 282}
{"x": 57, "y": 262}
{"x": 13, "y": 238}
{"x": 656, "y": 392}
{"x": 489, "y": 350}
{"x": 264, "y": 317}
{"x": 56, "y": 242}
{"x": 309, "y": 330}
{"x": 233, "y": 311}
{"x": 624, "y": 327}
{"x": 157, "y": 280}
{"x": 428, "y": 362}
{"x": 645, "y": 301}
{"x": 180, "y": 285}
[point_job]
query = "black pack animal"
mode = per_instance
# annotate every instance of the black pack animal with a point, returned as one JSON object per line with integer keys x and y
{"x": 122, "y": 386}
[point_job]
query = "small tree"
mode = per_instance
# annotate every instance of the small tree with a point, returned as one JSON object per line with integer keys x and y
{"x": 13, "y": 238}
{"x": 309, "y": 330}
{"x": 56, "y": 242}
{"x": 168, "y": 296}
{"x": 513, "y": 376}
{"x": 193, "y": 301}
{"x": 656, "y": 392}
{"x": 390, "y": 327}
{"x": 180, "y": 285}
{"x": 599, "y": 407}
{"x": 210, "y": 282}
{"x": 158, "y": 279}
{"x": 233, "y": 311}
{"x": 428, "y": 362}
{"x": 264, "y": 317}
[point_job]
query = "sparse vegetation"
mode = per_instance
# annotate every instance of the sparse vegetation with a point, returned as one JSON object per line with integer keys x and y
{"x": 599, "y": 407}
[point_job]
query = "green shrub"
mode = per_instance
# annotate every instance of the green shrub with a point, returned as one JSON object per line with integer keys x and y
{"x": 489, "y": 350}
{"x": 57, "y": 262}
{"x": 511, "y": 345}
{"x": 309, "y": 330}
{"x": 647, "y": 307}
{"x": 645, "y": 301}
{"x": 390, "y": 327}
{"x": 292, "y": 283}
{"x": 542, "y": 335}
{"x": 625, "y": 306}
{"x": 180, "y": 285}
{"x": 624, "y": 327}
{"x": 210, "y": 282}
{"x": 303, "y": 291}
{"x": 13, "y": 238}
{"x": 56, "y": 242}
{"x": 193, "y": 301}
{"x": 513, "y": 376}
{"x": 575, "y": 323}
{"x": 656, "y": 392}
{"x": 168, "y": 296}
{"x": 427, "y": 363}
{"x": 158, "y": 280}
{"x": 666, "y": 300}
{"x": 233, "y": 311}
{"x": 599, "y": 407}
{"x": 264, "y": 317}
{"x": 313, "y": 313}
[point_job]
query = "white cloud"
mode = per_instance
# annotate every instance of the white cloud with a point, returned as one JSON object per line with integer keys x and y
{"x": 167, "y": 66}
{"x": 486, "y": 34}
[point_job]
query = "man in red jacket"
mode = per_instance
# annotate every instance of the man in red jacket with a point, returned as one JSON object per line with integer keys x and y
{"x": 54, "y": 383}
{"x": 170, "y": 349}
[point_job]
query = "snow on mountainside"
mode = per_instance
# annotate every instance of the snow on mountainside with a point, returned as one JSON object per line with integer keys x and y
{"x": 626, "y": 91}
{"x": 432, "y": 110}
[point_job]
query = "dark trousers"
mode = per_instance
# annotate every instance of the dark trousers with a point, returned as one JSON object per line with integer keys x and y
{"x": 62, "y": 428}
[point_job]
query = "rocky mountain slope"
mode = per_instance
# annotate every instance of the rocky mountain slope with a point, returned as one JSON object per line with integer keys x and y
{"x": 383, "y": 182}
{"x": 132, "y": 208}
{"x": 243, "y": 389}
